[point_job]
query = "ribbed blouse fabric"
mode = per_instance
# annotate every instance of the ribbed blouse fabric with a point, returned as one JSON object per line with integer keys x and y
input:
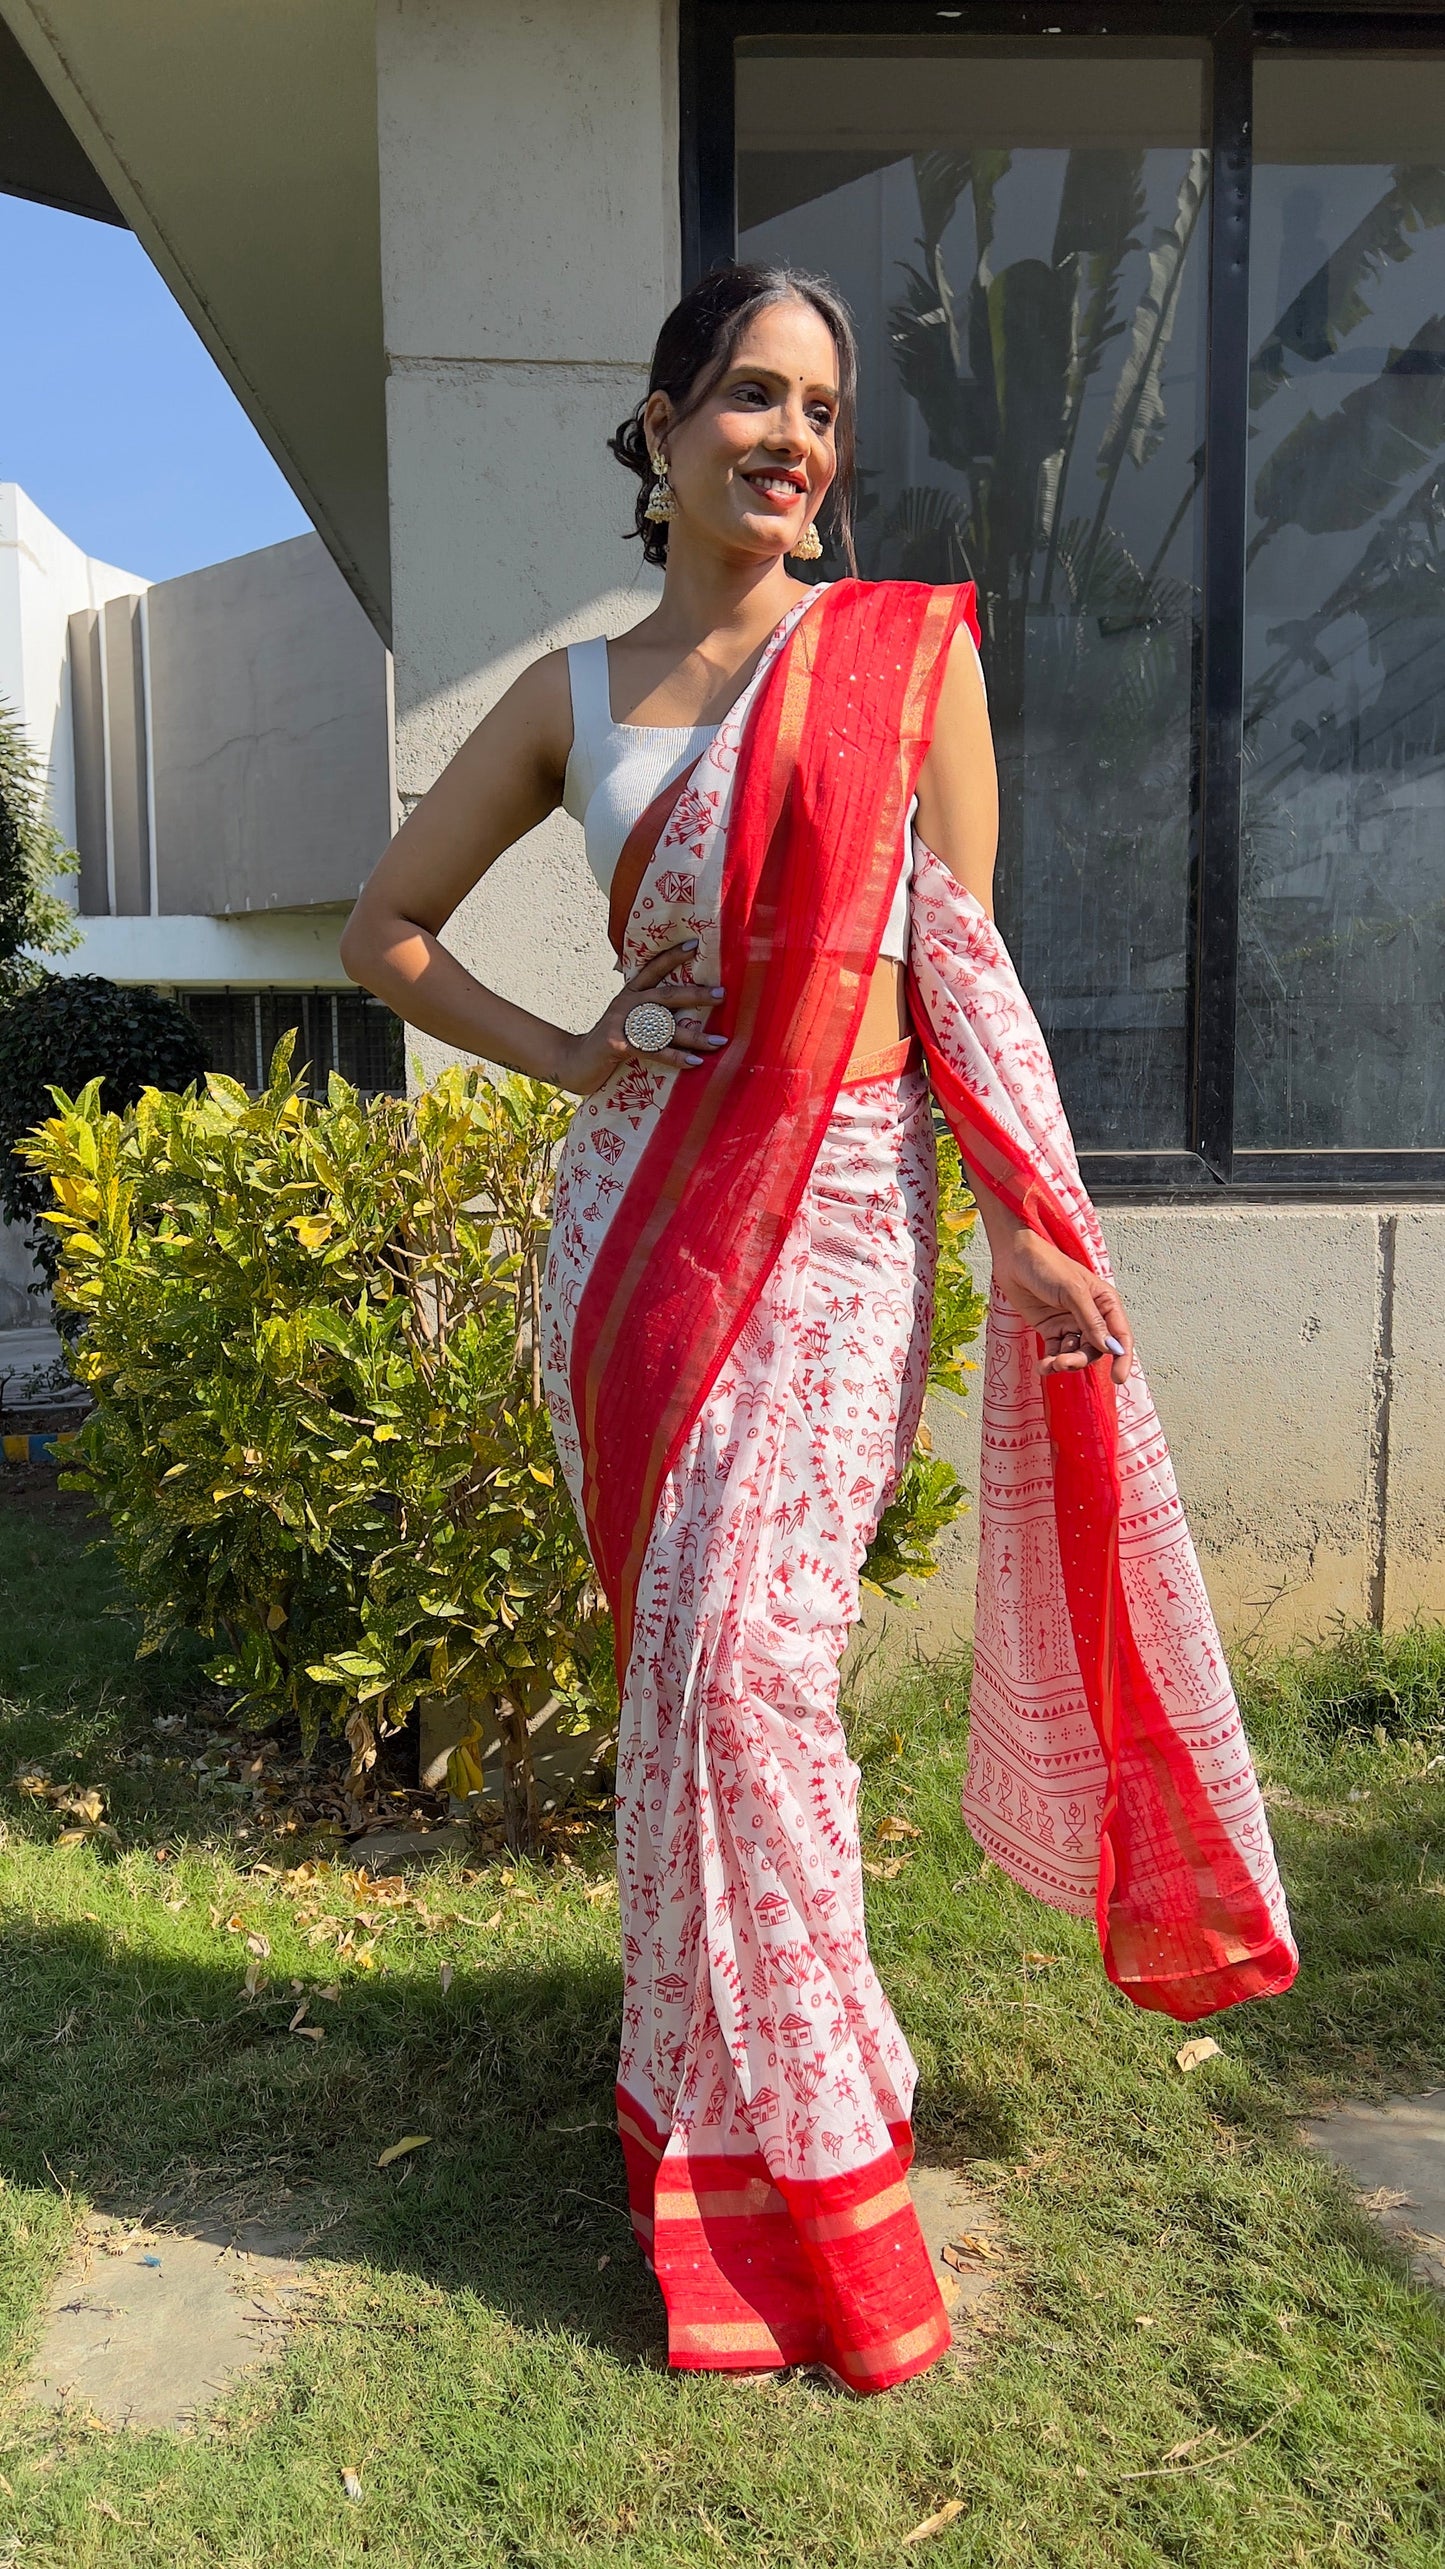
{"x": 614, "y": 770}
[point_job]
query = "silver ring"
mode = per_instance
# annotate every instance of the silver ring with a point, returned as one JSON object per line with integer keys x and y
{"x": 649, "y": 1027}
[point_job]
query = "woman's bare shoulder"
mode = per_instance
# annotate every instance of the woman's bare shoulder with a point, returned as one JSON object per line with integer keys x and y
{"x": 534, "y": 715}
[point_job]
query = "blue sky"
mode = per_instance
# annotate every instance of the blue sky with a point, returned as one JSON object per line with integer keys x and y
{"x": 112, "y": 416}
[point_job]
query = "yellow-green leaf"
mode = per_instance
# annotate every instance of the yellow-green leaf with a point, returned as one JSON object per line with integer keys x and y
{"x": 399, "y": 2149}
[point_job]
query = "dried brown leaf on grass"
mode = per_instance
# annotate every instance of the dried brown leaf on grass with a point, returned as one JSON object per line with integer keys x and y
{"x": 969, "y": 2243}
{"x": 83, "y": 1804}
{"x": 935, "y": 2523}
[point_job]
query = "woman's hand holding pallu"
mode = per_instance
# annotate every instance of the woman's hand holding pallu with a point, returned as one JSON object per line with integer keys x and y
{"x": 1075, "y": 1313}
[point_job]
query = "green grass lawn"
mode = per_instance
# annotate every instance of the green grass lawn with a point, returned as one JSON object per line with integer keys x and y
{"x": 1200, "y": 2354}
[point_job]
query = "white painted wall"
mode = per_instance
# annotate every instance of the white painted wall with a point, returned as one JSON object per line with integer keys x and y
{"x": 529, "y": 252}
{"x": 44, "y": 579}
{"x": 1294, "y": 1354}
{"x": 271, "y": 950}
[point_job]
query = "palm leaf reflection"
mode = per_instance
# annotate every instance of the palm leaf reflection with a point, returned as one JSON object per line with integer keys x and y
{"x": 1043, "y": 388}
{"x": 1041, "y": 385}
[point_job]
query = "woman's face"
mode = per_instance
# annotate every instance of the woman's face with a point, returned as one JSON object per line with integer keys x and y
{"x": 750, "y": 466}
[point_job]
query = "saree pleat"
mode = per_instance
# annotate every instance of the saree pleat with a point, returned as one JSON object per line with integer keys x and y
{"x": 764, "y": 2088}
{"x": 730, "y": 1447}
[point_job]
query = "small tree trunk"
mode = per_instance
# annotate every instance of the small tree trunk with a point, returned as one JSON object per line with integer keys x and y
{"x": 520, "y": 1817}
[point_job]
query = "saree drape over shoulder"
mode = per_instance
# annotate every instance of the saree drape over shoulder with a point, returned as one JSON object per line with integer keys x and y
{"x": 737, "y": 1316}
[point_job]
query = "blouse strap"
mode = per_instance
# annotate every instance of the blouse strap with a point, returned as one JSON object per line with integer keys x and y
{"x": 591, "y": 698}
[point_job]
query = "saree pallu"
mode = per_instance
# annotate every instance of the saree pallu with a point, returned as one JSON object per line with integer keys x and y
{"x": 1108, "y": 1770}
{"x": 736, "y": 1320}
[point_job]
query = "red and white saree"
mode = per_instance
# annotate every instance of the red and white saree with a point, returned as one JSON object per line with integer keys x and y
{"x": 737, "y": 1314}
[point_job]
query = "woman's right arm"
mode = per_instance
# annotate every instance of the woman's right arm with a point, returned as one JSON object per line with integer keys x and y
{"x": 503, "y": 780}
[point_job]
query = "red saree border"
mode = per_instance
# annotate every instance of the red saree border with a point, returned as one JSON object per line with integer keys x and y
{"x": 757, "y": 2272}
{"x": 1220, "y": 1946}
{"x": 829, "y": 757}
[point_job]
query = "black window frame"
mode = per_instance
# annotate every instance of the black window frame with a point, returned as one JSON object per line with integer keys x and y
{"x": 1211, "y": 1166}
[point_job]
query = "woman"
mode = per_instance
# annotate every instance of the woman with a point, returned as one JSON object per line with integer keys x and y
{"x": 788, "y": 793}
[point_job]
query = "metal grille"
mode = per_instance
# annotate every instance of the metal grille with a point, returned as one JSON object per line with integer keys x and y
{"x": 340, "y": 1030}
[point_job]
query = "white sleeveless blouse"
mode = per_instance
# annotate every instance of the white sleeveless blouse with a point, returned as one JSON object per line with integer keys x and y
{"x": 614, "y": 770}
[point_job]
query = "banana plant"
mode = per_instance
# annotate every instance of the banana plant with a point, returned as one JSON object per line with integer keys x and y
{"x": 1000, "y": 369}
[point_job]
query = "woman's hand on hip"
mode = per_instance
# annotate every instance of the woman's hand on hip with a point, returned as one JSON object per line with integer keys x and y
{"x": 589, "y": 1061}
{"x": 1075, "y": 1312}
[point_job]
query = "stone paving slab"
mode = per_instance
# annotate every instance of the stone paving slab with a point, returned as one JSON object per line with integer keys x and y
{"x": 392, "y": 1850}
{"x": 147, "y": 2328}
{"x": 964, "y": 2238}
{"x": 1396, "y": 2155}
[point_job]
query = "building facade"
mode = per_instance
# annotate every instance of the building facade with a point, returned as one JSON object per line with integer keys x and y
{"x": 1153, "y": 318}
{"x": 218, "y": 749}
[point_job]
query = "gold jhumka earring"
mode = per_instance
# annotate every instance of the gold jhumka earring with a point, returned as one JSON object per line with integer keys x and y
{"x": 809, "y": 547}
{"x": 661, "y": 506}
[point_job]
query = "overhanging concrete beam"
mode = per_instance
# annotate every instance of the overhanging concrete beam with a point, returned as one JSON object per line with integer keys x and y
{"x": 39, "y": 156}
{"x": 239, "y": 144}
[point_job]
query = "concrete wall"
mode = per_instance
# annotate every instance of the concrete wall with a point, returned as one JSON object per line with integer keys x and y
{"x": 218, "y": 749}
{"x": 529, "y": 251}
{"x": 270, "y": 719}
{"x": 44, "y": 581}
{"x": 270, "y": 949}
{"x": 230, "y": 741}
{"x": 1295, "y": 1357}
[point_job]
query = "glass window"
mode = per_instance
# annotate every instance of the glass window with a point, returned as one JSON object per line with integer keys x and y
{"x": 1342, "y": 919}
{"x": 1020, "y": 230}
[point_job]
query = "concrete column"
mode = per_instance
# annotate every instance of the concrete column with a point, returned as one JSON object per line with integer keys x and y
{"x": 529, "y": 251}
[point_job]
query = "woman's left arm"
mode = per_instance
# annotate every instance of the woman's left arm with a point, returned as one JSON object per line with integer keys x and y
{"x": 1074, "y": 1311}
{"x": 958, "y": 781}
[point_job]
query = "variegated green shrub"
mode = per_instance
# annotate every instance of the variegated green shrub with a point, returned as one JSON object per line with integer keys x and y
{"x": 310, "y": 1329}
{"x": 312, "y": 1333}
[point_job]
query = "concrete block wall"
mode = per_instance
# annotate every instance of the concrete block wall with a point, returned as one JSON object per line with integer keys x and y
{"x": 1294, "y": 1353}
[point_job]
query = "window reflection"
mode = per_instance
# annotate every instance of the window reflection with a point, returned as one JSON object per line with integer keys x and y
{"x": 1342, "y": 963}
{"x": 1021, "y": 235}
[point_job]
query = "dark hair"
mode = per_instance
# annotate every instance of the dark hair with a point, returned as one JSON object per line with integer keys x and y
{"x": 695, "y": 348}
